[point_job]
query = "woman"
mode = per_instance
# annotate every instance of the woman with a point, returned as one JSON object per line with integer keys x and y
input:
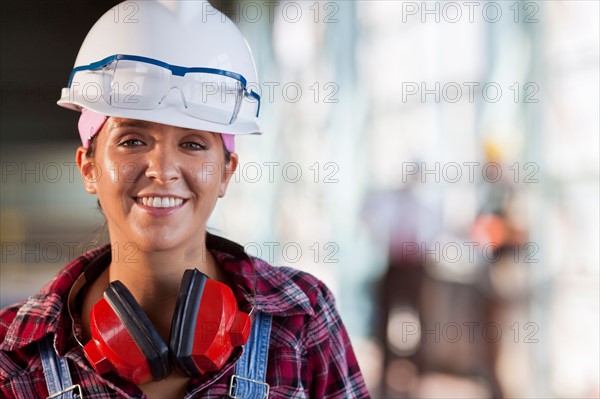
{"x": 167, "y": 310}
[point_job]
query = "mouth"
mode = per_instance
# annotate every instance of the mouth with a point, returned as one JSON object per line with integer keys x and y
{"x": 160, "y": 202}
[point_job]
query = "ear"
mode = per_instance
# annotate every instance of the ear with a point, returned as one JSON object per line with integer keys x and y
{"x": 88, "y": 168}
{"x": 229, "y": 170}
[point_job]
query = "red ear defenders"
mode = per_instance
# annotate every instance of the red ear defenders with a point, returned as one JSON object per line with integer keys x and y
{"x": 206, "y": 326}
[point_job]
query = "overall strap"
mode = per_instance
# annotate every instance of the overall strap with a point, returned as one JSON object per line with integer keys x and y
{"x": 248, "y": 382}
{"x": 56, "y": 371}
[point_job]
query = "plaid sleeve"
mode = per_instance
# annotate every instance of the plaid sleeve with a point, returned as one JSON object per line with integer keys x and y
{"x": 331, "y": 360}
{"x": 15, "y": 380}
{"x": 7, "y": 315}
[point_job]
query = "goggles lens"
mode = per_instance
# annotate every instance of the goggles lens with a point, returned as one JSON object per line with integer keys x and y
{"x": 208, "y": 94}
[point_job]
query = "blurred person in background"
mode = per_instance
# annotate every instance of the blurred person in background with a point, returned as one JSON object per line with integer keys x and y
{"x": 167, "y": 309}
{"x": 424, "y": 295}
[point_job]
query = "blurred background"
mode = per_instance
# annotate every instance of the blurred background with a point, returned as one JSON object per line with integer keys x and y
{"x": 435, "y": 163}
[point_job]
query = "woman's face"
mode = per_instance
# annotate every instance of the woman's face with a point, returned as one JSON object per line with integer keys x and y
{"x": 157, "y": 184}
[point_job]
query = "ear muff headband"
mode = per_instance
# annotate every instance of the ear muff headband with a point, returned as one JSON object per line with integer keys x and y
{"x": 139, "y": 325}
{"x": 184, "y": 319}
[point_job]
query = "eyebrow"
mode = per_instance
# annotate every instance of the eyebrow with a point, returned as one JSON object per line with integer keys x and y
{"x": 141, "y": 124}
{"x": 133, "y": 123}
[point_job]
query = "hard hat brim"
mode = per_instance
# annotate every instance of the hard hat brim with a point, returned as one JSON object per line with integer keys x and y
{"x": 167, "y": 114}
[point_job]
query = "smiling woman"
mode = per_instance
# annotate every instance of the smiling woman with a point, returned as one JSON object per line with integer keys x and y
{"x": 185, "y": 313}
{"x": 161, "y": 178}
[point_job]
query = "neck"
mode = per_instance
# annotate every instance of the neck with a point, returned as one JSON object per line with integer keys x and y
{"x": 154, "y": 277}
{"x": 148, "y": 271}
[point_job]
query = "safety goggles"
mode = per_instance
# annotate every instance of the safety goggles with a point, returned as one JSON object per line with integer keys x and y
{"x": 142, "y": 83}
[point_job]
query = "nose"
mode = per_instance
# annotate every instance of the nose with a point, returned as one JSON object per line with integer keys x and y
{"x": 162, "y": 164}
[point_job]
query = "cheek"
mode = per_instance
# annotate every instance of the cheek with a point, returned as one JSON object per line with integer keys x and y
{"x": 120, "y": 172}
{"x": 207, "y": 174}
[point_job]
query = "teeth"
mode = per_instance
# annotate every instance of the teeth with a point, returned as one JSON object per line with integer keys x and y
{"x": 160, "y": 202}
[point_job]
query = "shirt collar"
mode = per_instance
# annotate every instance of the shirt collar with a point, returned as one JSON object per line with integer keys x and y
{"x": 258, "y": 286}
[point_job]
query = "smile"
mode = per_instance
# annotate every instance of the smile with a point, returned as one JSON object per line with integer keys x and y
{"x": 160, "y": 202}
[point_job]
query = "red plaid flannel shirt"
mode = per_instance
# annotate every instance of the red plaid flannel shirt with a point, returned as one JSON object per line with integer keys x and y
{"x": 309, "y": 355}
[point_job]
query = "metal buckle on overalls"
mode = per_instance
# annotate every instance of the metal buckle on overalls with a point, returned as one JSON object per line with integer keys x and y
{"x": 232, "y": 386}
{"x": 78, "y": 395}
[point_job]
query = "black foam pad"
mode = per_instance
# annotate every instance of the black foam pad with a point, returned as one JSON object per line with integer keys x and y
{"x": 181, "y": 341}
{"x": 141, "y": 329}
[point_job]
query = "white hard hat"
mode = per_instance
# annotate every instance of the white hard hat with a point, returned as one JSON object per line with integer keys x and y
{"x": 188, "y": 34}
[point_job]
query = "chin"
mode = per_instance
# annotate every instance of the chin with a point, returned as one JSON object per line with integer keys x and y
{"x": 162, "y": 244}
{"x": 151, "y": 240}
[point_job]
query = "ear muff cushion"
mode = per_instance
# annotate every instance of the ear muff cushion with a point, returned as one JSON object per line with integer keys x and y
{"x": 141, "y": 329}
{"x": 183, "y": 326}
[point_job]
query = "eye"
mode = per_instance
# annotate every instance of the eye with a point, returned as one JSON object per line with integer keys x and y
{"x": 192, "y": 145}
{"x": 130, "y": 143}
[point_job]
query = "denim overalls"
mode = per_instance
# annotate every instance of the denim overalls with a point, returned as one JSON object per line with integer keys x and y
{"x": 248, "y": 382}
